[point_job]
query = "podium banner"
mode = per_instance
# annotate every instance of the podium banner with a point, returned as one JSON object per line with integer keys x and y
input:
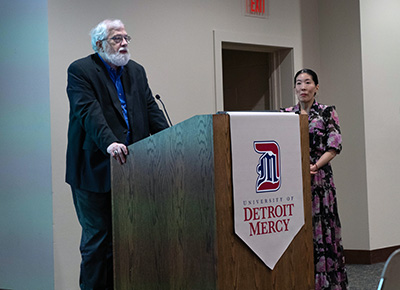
{"x": 267, "y": 181}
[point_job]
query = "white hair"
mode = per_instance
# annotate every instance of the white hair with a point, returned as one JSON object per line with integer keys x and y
{"x": 101, "y": 31}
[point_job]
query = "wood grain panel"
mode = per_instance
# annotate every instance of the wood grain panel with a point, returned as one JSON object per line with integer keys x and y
{"x": 173, "y": 216}
{"x": 164, "y": 212}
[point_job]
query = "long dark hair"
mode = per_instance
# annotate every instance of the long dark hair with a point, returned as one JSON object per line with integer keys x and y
{"x": 307, "y": 71}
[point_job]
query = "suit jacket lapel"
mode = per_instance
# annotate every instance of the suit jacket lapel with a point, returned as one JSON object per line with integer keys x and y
{"x": 111, "y": 90}
{"x": 128, "y": 84}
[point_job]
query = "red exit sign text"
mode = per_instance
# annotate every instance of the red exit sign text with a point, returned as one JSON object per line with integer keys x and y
{"x": 255, "y": 8}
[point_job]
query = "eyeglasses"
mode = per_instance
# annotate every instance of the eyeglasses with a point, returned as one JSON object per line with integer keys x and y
{"x": 118, "y": 38}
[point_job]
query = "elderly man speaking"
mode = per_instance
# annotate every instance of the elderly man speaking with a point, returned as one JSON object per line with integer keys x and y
{"x": 111, "y": 107}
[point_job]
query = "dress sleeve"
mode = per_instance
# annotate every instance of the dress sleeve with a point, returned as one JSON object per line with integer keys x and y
{"x": 289, "y": 109}
{"x": 334, "y": 137}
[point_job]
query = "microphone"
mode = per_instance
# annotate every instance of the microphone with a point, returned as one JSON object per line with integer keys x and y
{"x": 165, "y": 110}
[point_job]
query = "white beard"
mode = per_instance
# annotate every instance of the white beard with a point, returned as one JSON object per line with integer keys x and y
{"x": 117, "y": 58}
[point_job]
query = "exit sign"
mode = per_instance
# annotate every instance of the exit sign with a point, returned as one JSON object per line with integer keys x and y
{"x": 255, "y": 8}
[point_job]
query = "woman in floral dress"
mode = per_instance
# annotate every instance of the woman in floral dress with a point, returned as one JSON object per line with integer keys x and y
{"x": 325, "y": 143}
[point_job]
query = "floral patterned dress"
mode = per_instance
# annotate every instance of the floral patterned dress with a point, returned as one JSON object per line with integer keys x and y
{"x": 324, "y": 130}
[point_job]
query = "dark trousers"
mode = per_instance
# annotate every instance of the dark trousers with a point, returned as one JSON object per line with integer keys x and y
{"x": 94, "y": 214}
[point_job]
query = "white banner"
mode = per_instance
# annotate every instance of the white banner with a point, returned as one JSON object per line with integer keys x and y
{"x": 267, "y": 181}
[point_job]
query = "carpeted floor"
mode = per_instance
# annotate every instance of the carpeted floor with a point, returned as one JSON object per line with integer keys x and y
{"x": 364, "y": 277}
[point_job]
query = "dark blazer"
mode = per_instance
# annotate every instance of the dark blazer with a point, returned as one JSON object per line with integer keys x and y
{"x": 96, "y": 119}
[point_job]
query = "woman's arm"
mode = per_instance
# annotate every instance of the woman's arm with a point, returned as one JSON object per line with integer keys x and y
{"x": 325, "y": 158}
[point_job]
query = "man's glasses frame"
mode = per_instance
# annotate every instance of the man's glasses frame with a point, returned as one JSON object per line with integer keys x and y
{"x": 118, "y": 38}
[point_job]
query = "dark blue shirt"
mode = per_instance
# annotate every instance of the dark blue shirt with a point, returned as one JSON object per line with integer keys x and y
{"x": 115, "y": 76}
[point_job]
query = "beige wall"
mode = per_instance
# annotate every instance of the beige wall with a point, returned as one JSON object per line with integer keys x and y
{"x": 341, "y": 85}
{"x": 380, "y": 40}
{"x": 359, "y": 70}
{"x": 174, "y": 40}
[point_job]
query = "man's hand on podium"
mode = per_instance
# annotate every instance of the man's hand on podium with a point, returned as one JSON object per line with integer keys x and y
{"x": 118, "y": 151}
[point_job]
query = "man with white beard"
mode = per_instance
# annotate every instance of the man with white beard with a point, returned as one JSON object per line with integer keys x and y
{"x": 111, "y": 107}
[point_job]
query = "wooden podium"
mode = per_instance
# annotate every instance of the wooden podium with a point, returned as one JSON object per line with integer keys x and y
{"x": 173, "y": 216}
